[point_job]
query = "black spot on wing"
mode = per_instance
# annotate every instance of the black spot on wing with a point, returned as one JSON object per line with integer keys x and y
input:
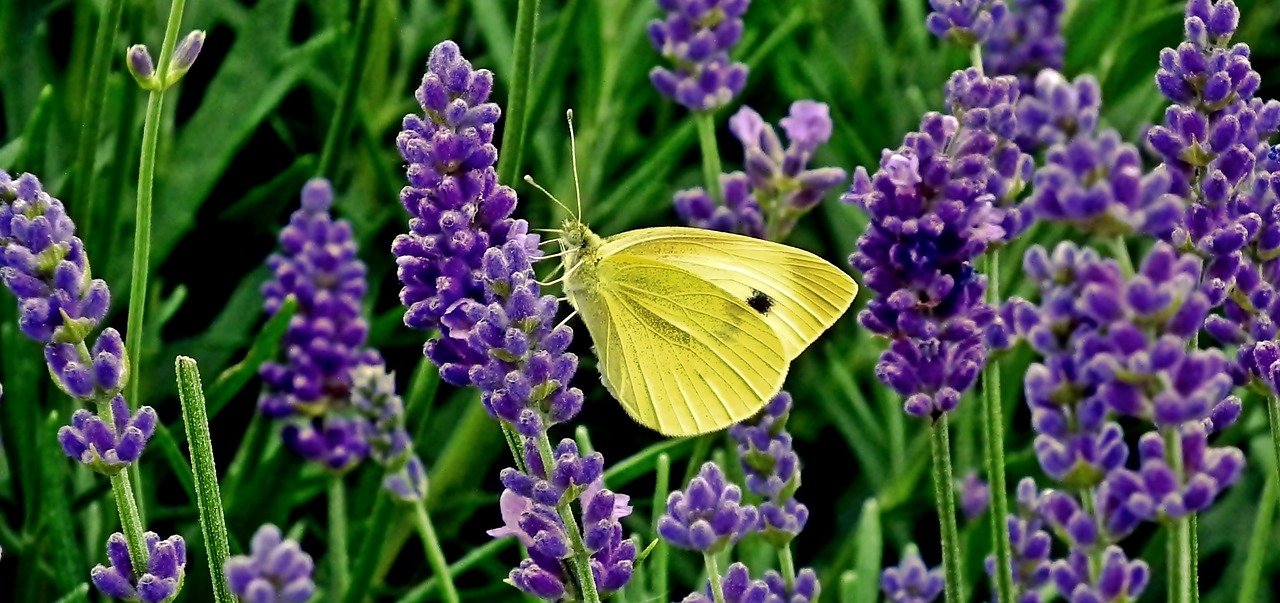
{"x": 760, "y": 302}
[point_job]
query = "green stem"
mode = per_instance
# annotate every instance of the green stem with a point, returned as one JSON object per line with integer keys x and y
{"x": 130, "y": 520}
{"x": 993, "y": 449}
{"x": 1273, "y": 418}
{"x": 658, "y": 559}
{"x": 975, "y": 55}
{"x": 1179, "y": 543}
{"x": 213, "y": 526}
{"x": 581, "y": 559}
{"x": 91, "y": 116}
{"x": 126, "y": 504}
{"x": 341, "y": 122}
{"x": 435, "y": 556}
{"x": 338, "y": 565}
{"x": 788, "y": 566}
{"x": 518, "y": 100}
{"x": 944, "y": 490}
{"x": 384, "y": 511}
{"x": 706, "y": 123}
{"x": 1120, "y": 250}
{"x": 713, "y": 576}
{"x": 1259, "y": 544}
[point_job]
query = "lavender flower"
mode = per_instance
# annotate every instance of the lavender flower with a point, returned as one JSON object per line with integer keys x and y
{"x": 1055, "y": 110}
{"x": 776, "y": 189}
{"x": 45, "y": 266}
{"x": 373, "y": 393}
{"x": 1156, "y": 492}
{"x": 1214, "y": 143}
{"x": 708, "y": 515}
{"x": 325, "y": 340}
{"x": 1026, "y": 41}
{"x": 466, "y": 269}
{"x": 1117, "y": 579}
{"x": 773, "y": 470}
{"x": 936, "y": 204}
{"x": 159, "y": 583}
{"x": 696, "y": 36}
{"x": 457, "y": 208}
{"x": 975, "y": 495}
{"x": 275, "y": 571}
{"x": 910, "y": 581}
{"x": 736, "y": 586}
{"x": 1030, "y": 545}
{"x": 1098, "y": 185}
{"x": 108, "y": 446}
{"x": 965, "y": 22}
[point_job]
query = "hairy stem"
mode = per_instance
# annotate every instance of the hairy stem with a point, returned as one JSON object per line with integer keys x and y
{"x": 435, "y": 556}
{"x": 581, "y": 559}
{"x": 944, "y": 492}
{"x": 713, "y": 576}
{"x": 706, "y": 123}
{"x": 213, "y": 526}
{"x": 338, "y": 563}
{"x": 993, "y": 449}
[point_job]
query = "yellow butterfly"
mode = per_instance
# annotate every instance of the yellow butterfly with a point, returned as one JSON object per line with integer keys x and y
{"x": 695, "y": 329}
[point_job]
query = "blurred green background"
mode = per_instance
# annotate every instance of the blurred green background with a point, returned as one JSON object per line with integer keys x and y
{"x": 242, "y": 133}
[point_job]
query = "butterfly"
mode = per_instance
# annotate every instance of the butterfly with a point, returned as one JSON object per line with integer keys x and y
{"x": 695, "y": 329}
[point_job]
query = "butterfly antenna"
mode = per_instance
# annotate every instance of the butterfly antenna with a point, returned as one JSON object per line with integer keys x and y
{"x": 567, "y": 318}
{"x": 573, "y": 159}
{"x": 529, "y": 179}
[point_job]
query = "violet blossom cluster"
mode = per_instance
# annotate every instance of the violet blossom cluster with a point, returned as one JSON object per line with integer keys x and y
{"x": 466, "y": 269}
{"x": 936, "y": 204}
{"x": 159, "y": 582}
{"x": 325, "y": 341}
{"x": 374, "y": 394}
{"x": 44, "y": 264}
{"x": 737, "y": 586}
{"x": 966, "y": 22}
{"x": 1113, "y": 346}
{"x": 1026, "y": 40}
{"x": 696, "y": 36}
{"x": 1215, "y": 145}
{"x": 911, "y": 581}
{"x": 276, "y": 570}
{"x": 776, "y": 189}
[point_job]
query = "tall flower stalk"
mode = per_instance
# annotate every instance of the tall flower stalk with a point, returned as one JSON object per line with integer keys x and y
{"x": 696, "y": 37}
{"x": 466, "y": 267}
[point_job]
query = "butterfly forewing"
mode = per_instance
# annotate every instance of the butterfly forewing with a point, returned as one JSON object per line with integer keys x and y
{"x": 681, "y": 354}
{"x": 797, "y": 294}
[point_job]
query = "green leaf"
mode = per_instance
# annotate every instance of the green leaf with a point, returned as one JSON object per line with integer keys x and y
{"x": 870, "y": 549}
{"x": 264, "y": 347}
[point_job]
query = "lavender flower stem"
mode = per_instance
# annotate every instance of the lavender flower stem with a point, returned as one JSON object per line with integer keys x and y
{"x": 435, "y": 556}
{"x": 340, "y": 124}
{"x": 1180, "y": 559}
{"x": 130, "y": 521}
{"x": 512, "y": 151}
{"x": 788, "y": 566}
{"x": 975, "y": 54}
{"x": 713, "y": 576}
{"x": 581, "y": 560}
{"x": 1120, "y": 250}
{"x": 1273, "y": 417}
{"x": 213, "y": 526}
{"x": 658, "y": 560}
{"x": 142, "y": 228}
{"x": 94, "y": 104}
{"x": 940, "y": 442}
{"x": 993, "y": 446}
{"x": 338, "y": 563}
{"x": 706, "y": 123}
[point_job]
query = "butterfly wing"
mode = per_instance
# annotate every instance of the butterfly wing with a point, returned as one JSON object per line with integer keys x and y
{"x": 683, "y": 356}
{"x": 798, "y": 294}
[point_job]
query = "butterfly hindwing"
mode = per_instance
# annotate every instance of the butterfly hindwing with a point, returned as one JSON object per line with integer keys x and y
{"x": 796, "y": 293}
{"x": 681, "y": 354}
